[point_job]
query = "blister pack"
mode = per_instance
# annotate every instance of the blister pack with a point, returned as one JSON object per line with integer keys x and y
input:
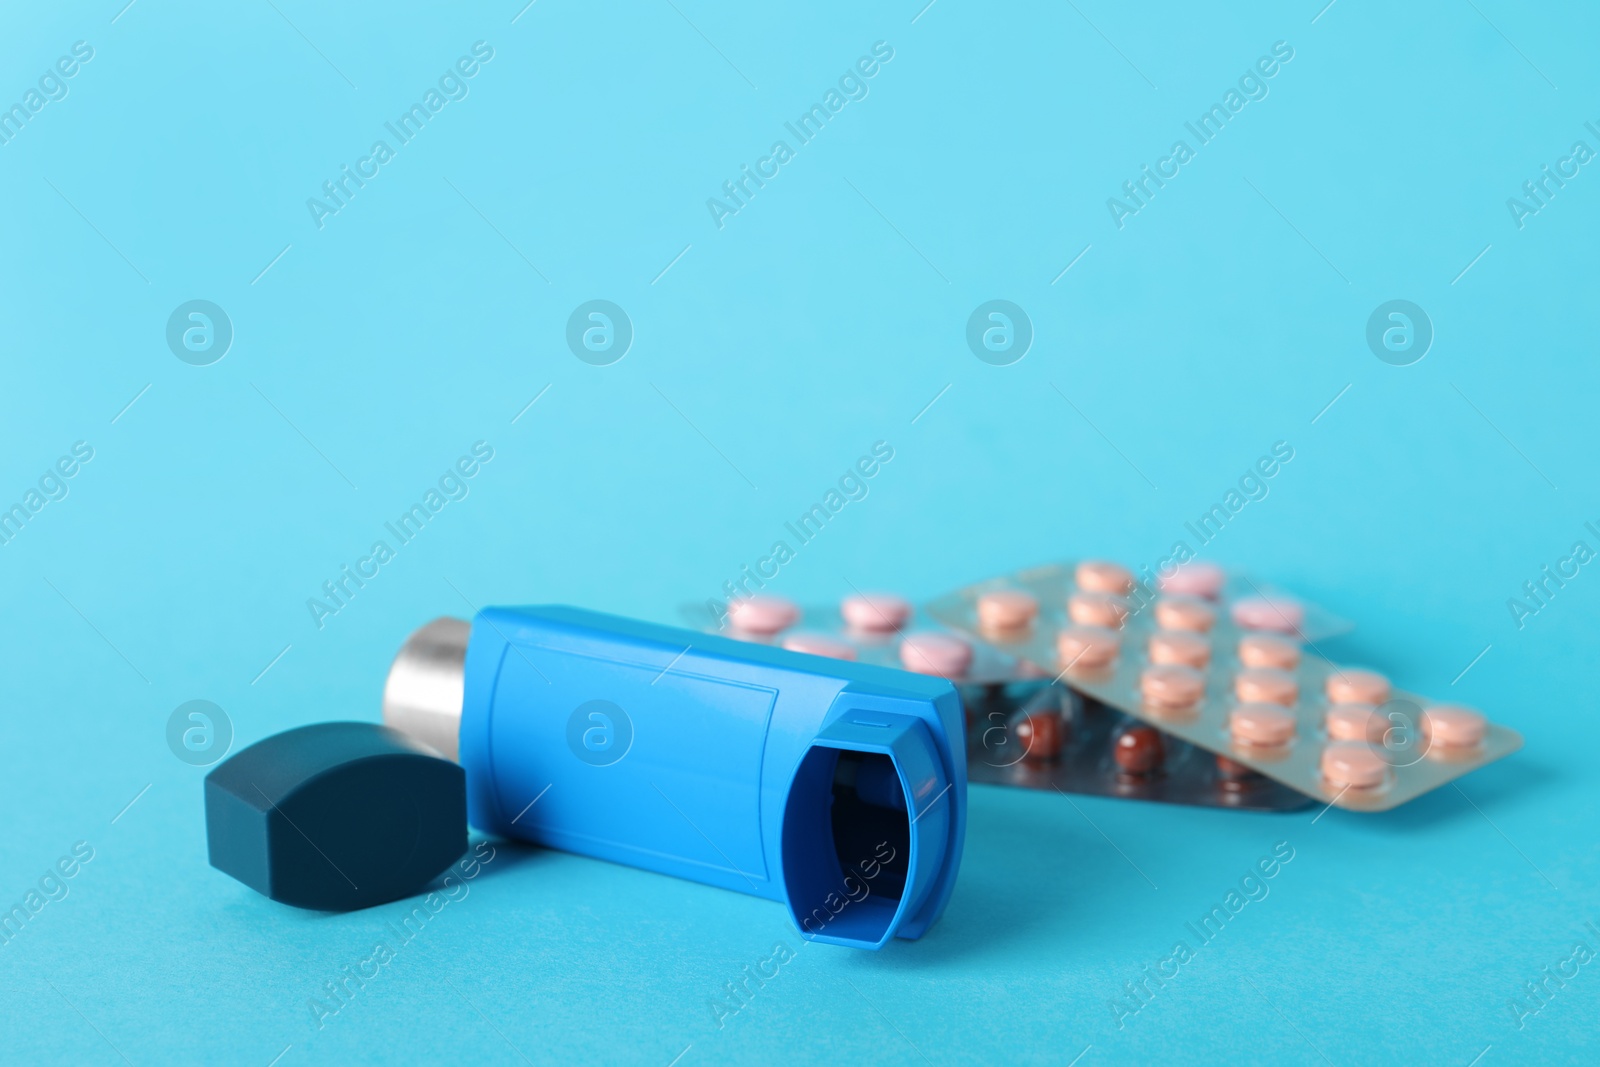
{"x": 878, "y": 628}
{"x": 1049, "y": 737}
{"x": 1231, "y": 678}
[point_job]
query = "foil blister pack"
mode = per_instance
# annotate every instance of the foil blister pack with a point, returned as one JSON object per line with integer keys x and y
{"x": 1229, "y": 676}
{"x": 877, "y": 628}
{"x": 1050, "y": 737}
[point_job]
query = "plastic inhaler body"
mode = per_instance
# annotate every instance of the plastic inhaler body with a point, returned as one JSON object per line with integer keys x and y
{"x": 834, "y": 787}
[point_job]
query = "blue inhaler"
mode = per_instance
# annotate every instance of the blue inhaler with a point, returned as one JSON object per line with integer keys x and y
{"x": 837, "y": 788}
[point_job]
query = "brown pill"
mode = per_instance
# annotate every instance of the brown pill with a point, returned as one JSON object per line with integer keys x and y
{"x": 1172, "y": 686}
{"x": 1185, "y": 613}
{"x": 1097, "y": 609}
{"x": 1181, "y": 647}
{"x": 1040, "y": 736}
{"x": 1350, "y": 686}
{"x": 1353, "y": 764}
{"x": 1264, "y": 685}
{"x": 1006, "y": 609}
{"x": 1087, "y": 646}
{"x": 1261, "y": 724}
{"x": 1233, "y": 770}
{"x": 1264, "y": 650}
{"x": 1138, "y": 750}
{"x": 1353, "y": 722}
{"x": 1100, "y": 576}
{"x": 1453, "y": 726}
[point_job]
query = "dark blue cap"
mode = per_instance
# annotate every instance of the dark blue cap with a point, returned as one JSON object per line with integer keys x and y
{"x": 336, "y": 816}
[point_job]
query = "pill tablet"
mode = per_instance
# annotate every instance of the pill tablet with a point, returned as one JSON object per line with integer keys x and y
{"x": 1097, "y": 609}
{"x": 819, "y": 645}
{"x": 1171, "y": 686}
{"x": 1185, "y": 613}
{"x": 875, "y": 612}
{"x": 1181, "y": 647}
{"x": 1277, "y": 614}
{"x": 1264, "y": 650}
{"x": 1099, "y": 576}
{"x": 1454, "y": 726}
{"x": 1261, "y": 724}
{"x": 1351, "y": 686}
{"x": 1006, "y": 609}
{"x": 1040, "y": 736}
{"x": 1265, "y": 685}
{"x": 1194, "y": 579}
{"x": 1353, "y": 722}
{"x": 934, "y": 653}
{"x": 764, "y": 615}
{"x": 1087, "y": 646}
{"x": 1353, "y": 764}
{"x": 1138, "y": 750}
{"x": 1234, "y": 773}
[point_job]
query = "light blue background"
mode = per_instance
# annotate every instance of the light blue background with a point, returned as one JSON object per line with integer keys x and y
{"x": 822, "y": 318}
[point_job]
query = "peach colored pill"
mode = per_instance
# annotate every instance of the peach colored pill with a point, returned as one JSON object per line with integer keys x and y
{"x": 1278, "y": 614}
{"x": 1185, "y": 613}
{"x": 1261, "y": 724}
{"x": 763, "y": 615}
{"x": 933, "y": 653}
{"x": 1265, "y": 685}
{"x": 1172, "y": 686}
{"x": 1353, "y": 722}
{"x": 1099, "y": 576}
{"x": 1097, "y": 609}
{"x": 1087, "y": 646}
{"x": 1353, "y": 764}
{"x": 1006, "y": 609}
{"x": 1194, "y": 579}
{"x": 1351, "y": 686}
{"x": 819, "y": 645}
{"x": 1264, "y": 650}
{"x": 1453, "y": 726}
{"x": 875, "y": 612}
{"x": 1181, "y": 647}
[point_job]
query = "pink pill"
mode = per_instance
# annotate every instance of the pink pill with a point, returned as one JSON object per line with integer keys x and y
{"x": 1097, "y": 609}
{"x": 935, "y": 653}
{"x": 1453, "y": 726}
{"x": 1194, "y": 579}
{"x": 875, "y": 612}
{"x": 1278, "y": 614}
{"x": 1353, "y": 764}
{"x": 1099, "y": 576}
{"x": 1264, "y": 650}
{"x": 1172, "y": 686}
{"x": 1006, "y": 609}
{"x": 1351, "y": 686}
{"x": 1180, "y": 647}
{"x": 1264, "y": 685}
{"x": 1185, "y": 613}
{"x": 1087, "y": 646}
{"x": 819, "y": 645}
{"x": 763, "y": 615}
{"x": 1261, "y": 724}
{"x": 1354, "y": 722}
